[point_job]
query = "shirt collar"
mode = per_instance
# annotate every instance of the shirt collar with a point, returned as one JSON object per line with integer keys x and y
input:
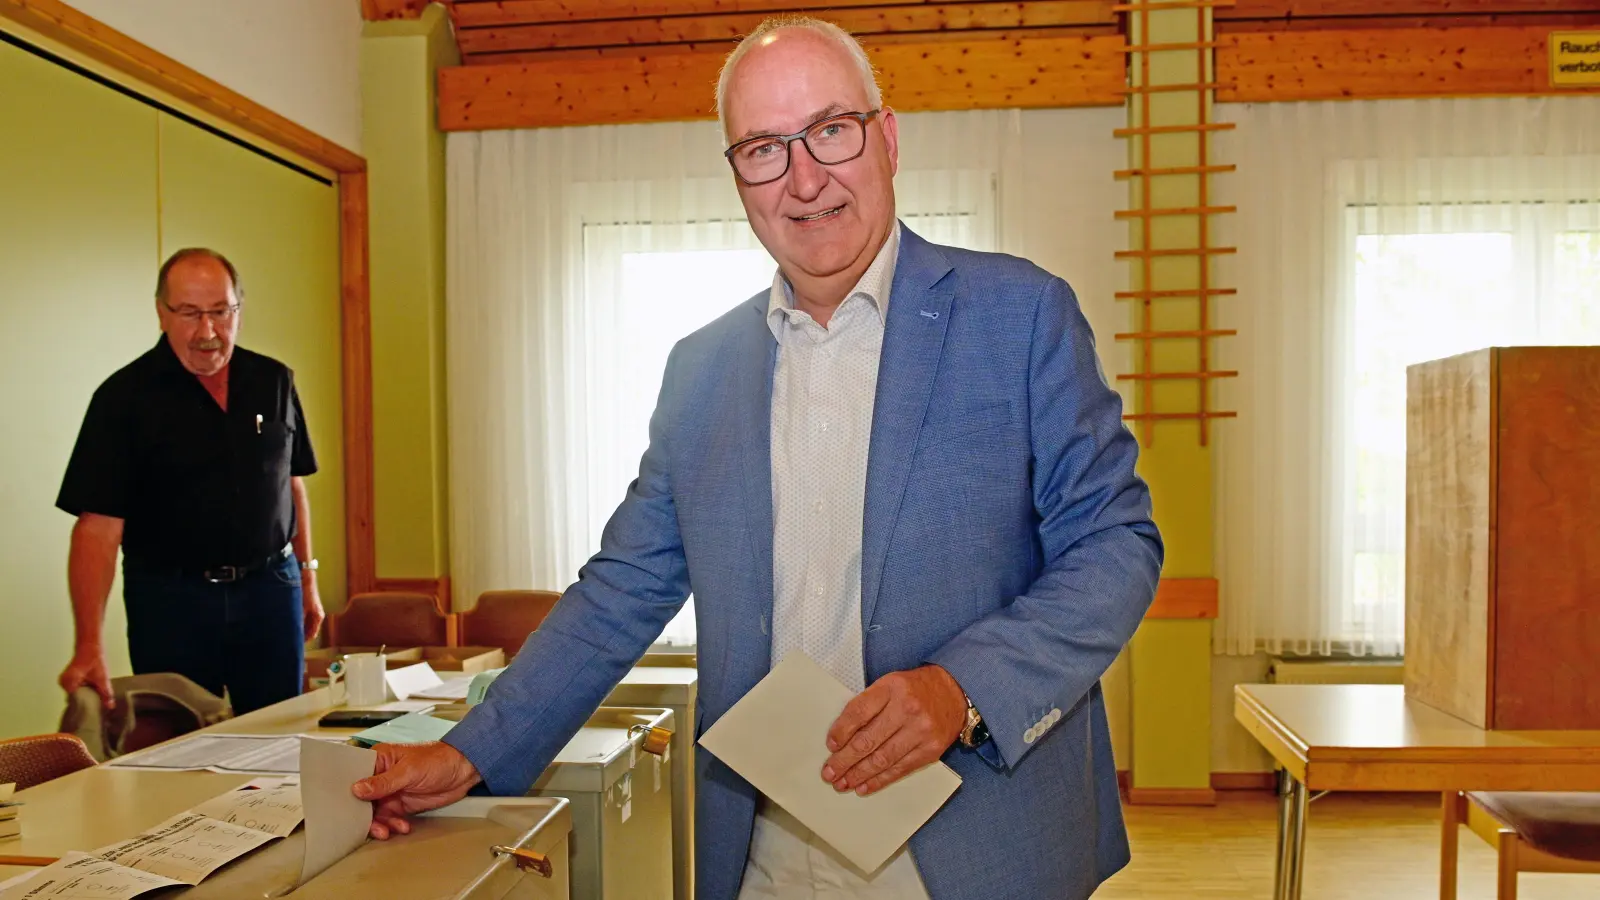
{"x": 875, "y": 285}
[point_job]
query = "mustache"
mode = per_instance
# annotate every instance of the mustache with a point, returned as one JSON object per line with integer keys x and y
{"x": 211, "y": 344}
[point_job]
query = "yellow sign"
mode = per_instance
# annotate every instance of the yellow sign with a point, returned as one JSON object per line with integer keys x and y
{"x": 1574, "y": 58}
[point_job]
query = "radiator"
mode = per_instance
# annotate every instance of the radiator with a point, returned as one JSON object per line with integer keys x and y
{"x": 1335, "y": 671}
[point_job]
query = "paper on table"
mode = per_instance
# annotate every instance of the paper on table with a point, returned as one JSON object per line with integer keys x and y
{"x": 454, "y": 689}
{"x": 273, "y": 809}
{"x": 79, "y": 876}
{"x": 260, "y": 754}
{"x": 336, "y": 822}
{"x": 775, "y": 738}
{"x": 412, "y": 728}
{"x": 407, "y": 680}
{"x": 186, "y": 847}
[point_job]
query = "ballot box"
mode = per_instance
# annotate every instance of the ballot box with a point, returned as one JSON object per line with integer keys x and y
{"x": 616, "y": 773}
{"x": 480, "y": 848}
{"x": 673, "y": 687}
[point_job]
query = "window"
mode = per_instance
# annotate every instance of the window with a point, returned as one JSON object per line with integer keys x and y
{"x": 647, "y": 286}
{"x": 1446, "y": 282}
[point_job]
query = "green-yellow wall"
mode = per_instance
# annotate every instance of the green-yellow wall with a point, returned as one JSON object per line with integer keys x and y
{"x": 405, "y": 172}
{"x": 93, "y": 187}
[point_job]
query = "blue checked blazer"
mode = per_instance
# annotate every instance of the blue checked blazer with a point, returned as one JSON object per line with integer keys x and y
{"x": 1006, "y": 538}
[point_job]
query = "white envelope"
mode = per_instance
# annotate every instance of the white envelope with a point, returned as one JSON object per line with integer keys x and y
{"x": 775, "y": 737}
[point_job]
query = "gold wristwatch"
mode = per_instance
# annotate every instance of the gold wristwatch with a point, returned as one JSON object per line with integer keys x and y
{"x": 974, "y": 732}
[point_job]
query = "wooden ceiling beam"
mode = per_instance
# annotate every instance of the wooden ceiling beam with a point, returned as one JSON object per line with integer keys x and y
{"x": 1383, "y": 63}
{"x": 496, "y": 13}
{"x": 864, "y": 22}
{"x": 1288, "y": 9}
{"x": 977, "y": 73}
{"x": 722, "y": 47}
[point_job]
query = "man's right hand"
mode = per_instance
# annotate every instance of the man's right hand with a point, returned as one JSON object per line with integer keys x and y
{"x": 413, "y": 778}
{"x": 88, "y": 667}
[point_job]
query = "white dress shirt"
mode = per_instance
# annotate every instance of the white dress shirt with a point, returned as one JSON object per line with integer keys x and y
{"x": 822, "y": 396}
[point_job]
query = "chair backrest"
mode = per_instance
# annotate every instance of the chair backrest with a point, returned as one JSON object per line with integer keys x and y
{"x": 505, "y": 618}
{"x": 30, "y": 761}
{"x": 395, "y": 618}
{"x": 150, "y": 708}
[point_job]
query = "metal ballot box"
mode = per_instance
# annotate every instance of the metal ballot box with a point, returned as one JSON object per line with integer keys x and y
{"x": 480, "y": 848}
{"x": 655, "y": 683}
{"x": 615, "y": 774}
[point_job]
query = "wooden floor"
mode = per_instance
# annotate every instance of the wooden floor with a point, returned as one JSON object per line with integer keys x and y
{"x": 1358, "y": 847}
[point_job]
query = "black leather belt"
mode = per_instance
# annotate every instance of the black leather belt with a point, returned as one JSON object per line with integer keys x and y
{"x": 227, "y": 574}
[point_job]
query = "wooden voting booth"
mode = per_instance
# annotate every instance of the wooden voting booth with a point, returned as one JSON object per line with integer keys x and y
{"x": 1503, "y": 537}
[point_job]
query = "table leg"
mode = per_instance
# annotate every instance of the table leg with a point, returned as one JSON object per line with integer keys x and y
{"x": 1278, "y": 880}
{"x": 1449, "y": 837}
{"x": 1298, "y": 801}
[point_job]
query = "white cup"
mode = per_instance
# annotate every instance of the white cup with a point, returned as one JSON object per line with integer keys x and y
{"x": 363, "y": 675}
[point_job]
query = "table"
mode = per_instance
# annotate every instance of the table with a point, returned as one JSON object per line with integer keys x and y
{"x": 95, "y": 807}
{"x": 1371, "y": 737}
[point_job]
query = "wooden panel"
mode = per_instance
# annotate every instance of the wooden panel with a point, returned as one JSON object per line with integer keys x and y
{"x": 360, "y": 547}
{"x": 973, "y": 74}
{"x": 477, "y": 14}
{"x": 1399, "y": 62}
{"x": 721, "y": 48}
{"x": 59, "y": 22}
{"x": 728, "y": 28}
{"x": 1449, "y": 540}
{"x": 1302, "y": 9}
{"x": 1547, "y": 567}
{"x": 1184, "y": 598}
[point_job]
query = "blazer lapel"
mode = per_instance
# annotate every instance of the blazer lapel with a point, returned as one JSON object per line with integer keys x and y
{"x": 913, "y": 338}
{"x": 755, "y": 355}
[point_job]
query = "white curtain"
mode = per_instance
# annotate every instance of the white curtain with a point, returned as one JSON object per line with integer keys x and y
{"x": 578, "y": 256}
{"x": 1373, "y": 235}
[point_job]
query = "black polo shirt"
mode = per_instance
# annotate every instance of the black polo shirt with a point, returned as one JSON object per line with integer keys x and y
{"x": 196, "y": 487}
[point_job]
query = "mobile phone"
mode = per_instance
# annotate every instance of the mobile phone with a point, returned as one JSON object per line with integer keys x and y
{"x": 358, "y": 718}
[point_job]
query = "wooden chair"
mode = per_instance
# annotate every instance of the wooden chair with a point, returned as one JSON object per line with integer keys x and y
{"x": 33, "y": 760}
{"x": 504, "y": 619}
{"x": 394, "y": 618}
{"x": 1531, "y": 832}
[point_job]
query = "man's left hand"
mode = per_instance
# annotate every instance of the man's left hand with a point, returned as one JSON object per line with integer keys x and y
{"x": 904, "y": 721}
{"x": 312, "y": 602}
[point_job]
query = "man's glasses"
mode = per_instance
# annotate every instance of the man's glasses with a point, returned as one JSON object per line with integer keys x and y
{"x": 193, "y": 315}
{"x": 830, "y": 141}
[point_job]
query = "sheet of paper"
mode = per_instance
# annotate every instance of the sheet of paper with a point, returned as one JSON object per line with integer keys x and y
{"x": 412, "y": 728}
{"x": 775, "y": 738}
{"x": 228, "y": 754}
{"x": 275, "y": 809}
{"x": 451, "y": 689}
{"x": 407, "y": 680}
{"x": 78, "y": 876}
{"x": 336, "y": 822}
{"x": 186, "y": 847}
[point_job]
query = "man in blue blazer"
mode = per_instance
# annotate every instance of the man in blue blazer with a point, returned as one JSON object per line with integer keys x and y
{"x": 903, "y": 461}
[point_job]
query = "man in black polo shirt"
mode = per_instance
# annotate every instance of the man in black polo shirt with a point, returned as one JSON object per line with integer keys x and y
{"x": 191, "y": 459}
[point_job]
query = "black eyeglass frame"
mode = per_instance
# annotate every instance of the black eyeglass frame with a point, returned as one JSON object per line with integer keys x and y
{"x": 788, "y": 144}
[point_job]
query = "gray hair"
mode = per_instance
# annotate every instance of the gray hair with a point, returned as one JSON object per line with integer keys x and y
{"x": 197, "y": 253}
{"x": 823, "y": 27}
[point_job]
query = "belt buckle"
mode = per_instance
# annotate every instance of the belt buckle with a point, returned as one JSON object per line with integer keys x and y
{"x": 222, "y": 574}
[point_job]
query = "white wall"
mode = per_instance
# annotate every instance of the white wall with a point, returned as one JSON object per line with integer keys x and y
{"x": 298, "y": 58}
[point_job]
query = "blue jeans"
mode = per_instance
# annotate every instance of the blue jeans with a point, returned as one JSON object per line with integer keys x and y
{"x": 246, "y": 637}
